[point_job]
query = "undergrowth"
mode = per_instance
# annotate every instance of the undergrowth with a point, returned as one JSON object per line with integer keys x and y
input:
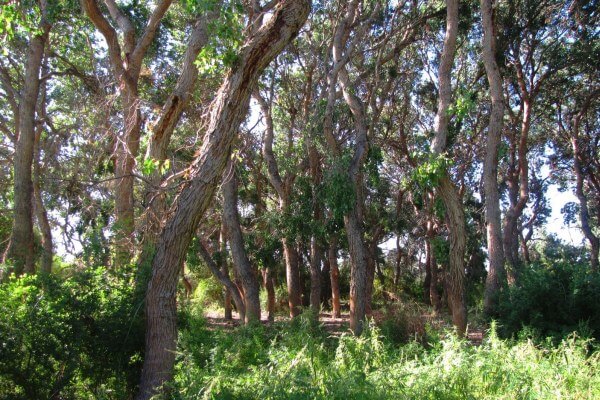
{"x": 299, "y": 360}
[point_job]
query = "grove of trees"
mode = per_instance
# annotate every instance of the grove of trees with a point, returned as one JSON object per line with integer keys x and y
{"x": 300, "y": 157}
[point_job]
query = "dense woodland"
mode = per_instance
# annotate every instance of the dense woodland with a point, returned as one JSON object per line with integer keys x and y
{"x": 298, "y": 199}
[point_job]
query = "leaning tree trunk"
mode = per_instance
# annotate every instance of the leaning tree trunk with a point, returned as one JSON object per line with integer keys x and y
{"x": 226, "y": 114}
{"x": 21, "y": 250}
{"x": 247, "y": 274}
{"x": 496, "y": 272}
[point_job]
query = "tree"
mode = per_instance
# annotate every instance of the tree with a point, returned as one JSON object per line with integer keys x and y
{"x": 21, "y": 245}
{"x": 496, "y": 271}
{"x": 226, "y": 113}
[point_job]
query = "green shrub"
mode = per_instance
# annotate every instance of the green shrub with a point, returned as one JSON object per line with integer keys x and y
{"x": 552, "y": 299}
{"x": 76, "y": 337}
{"x": 299, "y": 361}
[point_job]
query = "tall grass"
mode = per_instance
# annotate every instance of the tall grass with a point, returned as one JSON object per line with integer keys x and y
{"x": 300, "y": 361}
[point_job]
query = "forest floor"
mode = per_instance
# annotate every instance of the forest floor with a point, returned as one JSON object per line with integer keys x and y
{"x": 338, "y": 326}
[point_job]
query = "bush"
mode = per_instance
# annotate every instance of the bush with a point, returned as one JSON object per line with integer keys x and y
{"x": 76, "y": 337}
{"x": 298, "y": 361}
{"x": 552, "y": 299}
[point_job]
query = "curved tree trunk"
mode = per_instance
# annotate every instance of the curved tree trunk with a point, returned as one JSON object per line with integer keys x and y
{"x": 496, "y": 271}
{"x": 226, "y": 114}
{"x": 247, "y": 274}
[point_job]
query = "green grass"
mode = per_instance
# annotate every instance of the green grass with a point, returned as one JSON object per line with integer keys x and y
{"x": 298, "y": 360}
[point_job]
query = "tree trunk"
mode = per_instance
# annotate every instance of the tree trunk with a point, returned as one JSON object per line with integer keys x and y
{"x": 236, "y": 295}
{"x": 358, "y": 272}
{"x": 371, "y": 267}
{"x": 228, "y": 312}
{"x": 247, "y": 274}
{"x": 456, "y": 268}
{"x": 21, "y": 250}
{"x": 584, "y": 213}
{"x": 282, "y": 187}
{"x": 496, "y": 271}
{"x": 334, "y": 273}
{"x": 315, "y": 276}
{"x": 446, "y": 189}
{"x": 270, "y": 288}
{"x": 40, "y": 211}
{"x": 127, "y": 72}
{"x": 226, "y": 114}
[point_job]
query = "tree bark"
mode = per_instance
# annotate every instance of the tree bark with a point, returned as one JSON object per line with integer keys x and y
{"x": 127, "y": 72}
{"x": 584, "y": 213}
{"x": 226, "y": 114}
{"x": 247, "y": 274}
{"x": 21, "y": 250}
{"x": 225, "y": 280}
{"x": 270, "y": 288}
{"x": 496, "y": 271}
{"x": 455, "y": 219}
{"x": 334, "y": 273}
{"x": 282, "y": 187}
{"x": 228, "y": 312}
{"x": 40, "y": 210}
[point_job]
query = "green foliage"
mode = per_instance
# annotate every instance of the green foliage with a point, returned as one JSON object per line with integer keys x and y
{"x": 299, "y": 361}
{"x": 79, "y": 337}
{"x": 225, "y": 34}
{"x": 337, "y": 189}
{"x": 429, "y": 172}
{"x": 552, "y": 298}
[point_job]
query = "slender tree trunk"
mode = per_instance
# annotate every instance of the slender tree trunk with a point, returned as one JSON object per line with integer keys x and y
{"x": 315, "y": 276}
{"x": 292, "y": 275}
{"x": 434, "y": 294}
{"x": 496, "y": 271}
{"x": 334, "y": 272}
{"x": 282, "y": 187}
{"x": 446, "y": 189}
{"x": 233, "y": 289}
{"x": 227, "y": 112}
{"x": 358, "y": 272}
{"x": 584, "y": 213}
{"x": 228, "y": 313}
{"x": 270, "y": 288}
{"x": 248, "y": 274}
{"x": 40, "y": 211}
{"x": 371, "y": 267}
{"x": 21, "y": 250}
{"x": 519, "y": 193}
{"x": 316, "y": 253}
